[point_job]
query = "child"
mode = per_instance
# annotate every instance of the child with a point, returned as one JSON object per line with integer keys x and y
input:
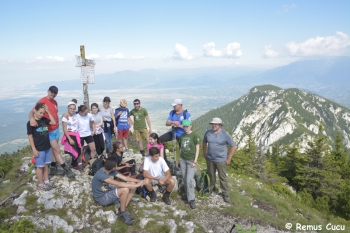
{"x": 38, "y": 137}
{"x": 188, "y": 160}
{"x": 154, "y": 141}
{"x": 123, "y": 121}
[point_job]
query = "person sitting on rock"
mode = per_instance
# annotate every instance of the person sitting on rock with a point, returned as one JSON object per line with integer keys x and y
{"x": 122, "y": 166}
{"x": 107, "y": 191}
{"x": 156, "y": 171}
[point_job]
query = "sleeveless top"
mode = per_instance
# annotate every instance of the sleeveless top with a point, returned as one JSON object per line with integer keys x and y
{"x": 106, "y": 115}
{"x": 97, "y": 120}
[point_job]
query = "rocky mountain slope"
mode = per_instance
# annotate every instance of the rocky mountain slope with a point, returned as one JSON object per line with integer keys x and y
{"x": 280, "y": 115}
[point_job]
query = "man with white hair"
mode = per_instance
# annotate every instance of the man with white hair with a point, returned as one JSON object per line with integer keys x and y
{"x": 217, "y": 156}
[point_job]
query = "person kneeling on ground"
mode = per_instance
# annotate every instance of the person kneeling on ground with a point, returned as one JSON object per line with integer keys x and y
{"x": 107, "y": 191}
{"x": 156, "y": 171}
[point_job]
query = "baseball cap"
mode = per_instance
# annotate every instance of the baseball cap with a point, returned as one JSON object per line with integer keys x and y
{"x": 106, "y": 99}
{"x": 186, "y": 122}
{"x": 176, "y": 102}
{"x": 53, "y": 89}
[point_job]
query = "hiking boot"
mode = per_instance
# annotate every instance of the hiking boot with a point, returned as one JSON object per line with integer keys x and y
{"x": 166, "y": 199}
{"x": 79, "y": 168}
{"x": 69, "y": 173}
{"x": 44, "y": 188}
{"x": 227, "y": 199}
{"x": 55, "y": 171}
{"x": 153, "y": 196}
{"x": 125, "y": 217}
{"x": 192, "y": 204}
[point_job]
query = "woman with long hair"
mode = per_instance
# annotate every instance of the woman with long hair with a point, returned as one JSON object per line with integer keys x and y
{"x": 98, "y": 136}
{"x": 117, "y": 155}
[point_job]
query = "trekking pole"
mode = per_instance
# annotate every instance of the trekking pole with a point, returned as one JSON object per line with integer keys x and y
{"x": 174, "y": 151}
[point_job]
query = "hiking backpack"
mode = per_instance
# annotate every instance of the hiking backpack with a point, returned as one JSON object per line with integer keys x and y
{"x": 203, "y": 182}
{"x": 97, "y": 164}
{"x": 184, "y": 113}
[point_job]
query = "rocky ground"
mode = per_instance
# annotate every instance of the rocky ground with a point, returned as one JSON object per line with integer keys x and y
{"x": 71, "y": 208}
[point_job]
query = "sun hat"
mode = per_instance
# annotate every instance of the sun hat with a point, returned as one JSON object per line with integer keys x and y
{"x": 123, "y": 103}
{"x": 216, "y": 120}
{"x": 176, "y": 102}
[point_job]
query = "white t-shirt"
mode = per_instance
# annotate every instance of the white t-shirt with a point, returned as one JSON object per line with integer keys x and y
{"x": 156, "y": 169}
{"x": 84, "y": 124}
{"x": 72, "y": 123}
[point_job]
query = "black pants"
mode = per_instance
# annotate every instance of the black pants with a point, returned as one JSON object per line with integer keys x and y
{"x": 167, "y": 137}
{"x": 129, "y": 169}
{"x": 99, "y": 143}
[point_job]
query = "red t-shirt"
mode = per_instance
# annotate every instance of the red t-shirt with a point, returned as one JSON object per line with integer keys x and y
{"x": 53, "y": 108}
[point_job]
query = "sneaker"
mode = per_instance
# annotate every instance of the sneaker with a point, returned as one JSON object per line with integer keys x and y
{"x": 125, "y": 217}
{"x": 53, "y": 170}
{"x": 52, "y": 186}
{"x": 227, "y": 199}
{"x": 44, "y": 188}
{"x": 127, "y": 213}
{"x": 69, "y": 173}
{"x": 166, "y": 199}
{"x": 153, "y": 196}
{"x": 192, "y": 204}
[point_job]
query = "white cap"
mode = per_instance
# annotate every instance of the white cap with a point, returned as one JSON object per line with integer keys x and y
{"x": 176, "y": 102}
{"x": 70, "y": 103}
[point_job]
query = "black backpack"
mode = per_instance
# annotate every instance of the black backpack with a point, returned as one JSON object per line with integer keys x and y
{"x": 97, "y": 164}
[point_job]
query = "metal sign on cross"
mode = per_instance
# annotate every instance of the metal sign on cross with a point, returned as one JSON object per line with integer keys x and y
{"x": 87, "y": 74}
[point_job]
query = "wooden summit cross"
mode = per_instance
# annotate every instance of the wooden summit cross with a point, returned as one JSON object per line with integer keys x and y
{"x": 87, "y": 74}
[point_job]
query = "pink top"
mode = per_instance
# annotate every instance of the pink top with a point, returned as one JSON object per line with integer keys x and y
{"x": 159, "y": 146}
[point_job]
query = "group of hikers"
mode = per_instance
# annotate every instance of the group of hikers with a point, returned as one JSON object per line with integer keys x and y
{"x": 116, "y": 182}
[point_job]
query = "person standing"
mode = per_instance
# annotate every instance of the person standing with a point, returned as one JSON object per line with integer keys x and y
{"x": 140, "y": 129}
{"x": 108, "y": 122}
{"x": 54, "y": 133}
{"x": 122, "y": 118}
{"x": 98, "y": 136}
{"x": 215, "y": 152}
{"x": 188, "y": 160}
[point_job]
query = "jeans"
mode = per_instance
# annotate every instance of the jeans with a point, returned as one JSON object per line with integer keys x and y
{"x": 108, "y": 136}
{"x": 187, "y": 175}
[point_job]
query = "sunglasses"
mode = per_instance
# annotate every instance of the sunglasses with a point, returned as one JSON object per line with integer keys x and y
{"x": 136, "y": 103}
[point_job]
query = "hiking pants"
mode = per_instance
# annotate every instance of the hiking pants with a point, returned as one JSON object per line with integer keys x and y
{"x": 99, "y": 143}
{"x": 221, "y": 167}
{"x": 187, "y": 175}
{"x": 167, "y": 137}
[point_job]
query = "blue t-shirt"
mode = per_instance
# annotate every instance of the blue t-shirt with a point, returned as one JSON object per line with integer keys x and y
{"x": 99, "y": 187}
{"x": 174, "y": 117}
{"x": 217, "y": 145}
{"x": 122, "y": 120}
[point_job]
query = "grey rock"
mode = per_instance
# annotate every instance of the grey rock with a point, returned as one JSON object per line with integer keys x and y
{"x": 144, "y": 221}
{"x": 172, "y": 225}
{"x": 6, "y": 181}
{"x": 21, "y": 200}
{"x": 111, "y": 217}
{"x": 21, "y": 209}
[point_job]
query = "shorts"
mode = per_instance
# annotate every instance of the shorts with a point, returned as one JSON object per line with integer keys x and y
{"x": 141, "y": 133}
{"x": 110, "y": 197}
{"x": 155, "y": 182}
{"x": 55, "y": 134}
{"x": 87, "y": 139}
{"x": 123, "y": 134}
{"x": 44, "y": 158}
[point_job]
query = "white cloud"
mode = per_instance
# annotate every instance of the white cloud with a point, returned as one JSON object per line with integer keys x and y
{"x": 138, "y": 58}
{"x": 232, "y": 50}
{"x": 116, "y": 56}
{"x": 93, "y": 56}
{"x": 48, "y": 59}
{"x": 5, "y": 61}
{"x": 269, "y": 52}
{"x": 327, "y": 46}
{"x": 181, "y": 53}
{"x": 286, "y": 8}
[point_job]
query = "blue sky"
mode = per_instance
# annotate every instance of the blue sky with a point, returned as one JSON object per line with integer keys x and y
{"x": 40, "y": 38}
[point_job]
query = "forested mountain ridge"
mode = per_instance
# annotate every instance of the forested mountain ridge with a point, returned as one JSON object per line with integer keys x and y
{"x": 290, "y": 116}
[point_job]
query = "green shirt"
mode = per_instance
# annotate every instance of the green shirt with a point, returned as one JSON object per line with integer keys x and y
{"x": 139, "y": 118}
{"x": 188, "y": 145}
